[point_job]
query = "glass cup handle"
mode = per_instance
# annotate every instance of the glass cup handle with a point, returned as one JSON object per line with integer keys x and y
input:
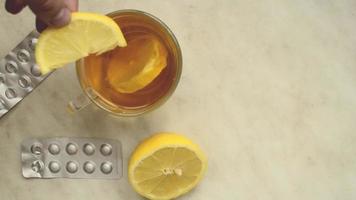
{"x": 82, "y": 100}
{"x": 78, "y": 103}
{"x": 85, "y": 99}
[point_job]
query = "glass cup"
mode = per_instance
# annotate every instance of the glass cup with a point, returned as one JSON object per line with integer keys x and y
{"x": 132, "y": 22}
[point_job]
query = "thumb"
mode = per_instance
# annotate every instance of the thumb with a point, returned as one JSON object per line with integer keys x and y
{"x": 14, "y": 6}
{"x": 52, "y": 12}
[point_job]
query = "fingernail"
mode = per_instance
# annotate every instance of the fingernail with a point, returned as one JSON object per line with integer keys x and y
{"x": 62, "y": 18}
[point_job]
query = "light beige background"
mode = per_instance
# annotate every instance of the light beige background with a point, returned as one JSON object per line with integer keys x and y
{"x": 268, "y": 91}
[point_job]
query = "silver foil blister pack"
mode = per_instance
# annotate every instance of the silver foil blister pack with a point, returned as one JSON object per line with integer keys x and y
{"x": 19, "y": 74}
{"x": 64, "y": 157}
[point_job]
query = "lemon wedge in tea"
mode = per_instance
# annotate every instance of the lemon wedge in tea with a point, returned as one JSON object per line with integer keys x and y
{"x": 138, "y": 64}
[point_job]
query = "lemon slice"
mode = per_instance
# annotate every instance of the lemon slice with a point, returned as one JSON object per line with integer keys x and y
{"x": 87, "y": 33}
{"x": 138, "y": 65}
{"x": 166, "y": 166}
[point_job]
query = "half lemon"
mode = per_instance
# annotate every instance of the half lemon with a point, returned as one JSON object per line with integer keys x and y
{"x": 166, "y": 166}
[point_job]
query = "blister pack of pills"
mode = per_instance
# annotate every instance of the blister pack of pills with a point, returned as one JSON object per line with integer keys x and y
{"x": 19, "y": 74}
{"x": 71, "y": 158}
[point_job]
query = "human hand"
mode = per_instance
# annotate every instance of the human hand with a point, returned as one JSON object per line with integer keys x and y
{"x": 54, "y": 13}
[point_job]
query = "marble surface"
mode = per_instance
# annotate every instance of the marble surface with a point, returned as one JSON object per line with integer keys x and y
{"x": 268, "y": 90}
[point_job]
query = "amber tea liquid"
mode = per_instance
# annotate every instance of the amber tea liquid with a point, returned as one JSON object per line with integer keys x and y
{"x": 99, "y": 70}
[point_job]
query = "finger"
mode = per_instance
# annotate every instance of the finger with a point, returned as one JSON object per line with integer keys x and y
{"x": 40, "y": 25}
{"x": 14, "y": 6}
{"x": 52, "y": 12}
{"x": 72, "y": 5}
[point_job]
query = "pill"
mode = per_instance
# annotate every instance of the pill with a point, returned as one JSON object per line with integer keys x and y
{"x": 37, "y": 166}
{"x": 36, "y": 149}
{"x": 72, "y": 148}
{"x": 106, "y": 167}
{"x": 11, "y": 67}
{"x": 54, "y": 149}
{"x": 35, "y": 70}
{"x": 24, "y": 81}
{"x": 89, "y": 167}
{"x": 33, "y": 43}
{"x": 10, "y": 93}
{"x": 54, "y": 166}
{"x": 23, "y": 55}
{"x": 72, "y": 167}
{"x": 106, "y": 149}
{"x": 89, "y": 149}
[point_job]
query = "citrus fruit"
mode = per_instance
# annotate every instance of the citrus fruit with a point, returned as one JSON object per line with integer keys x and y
{"x": 87, "y": 33}
{"x": 166, "y": 166}
{"x": 140, "y": 63}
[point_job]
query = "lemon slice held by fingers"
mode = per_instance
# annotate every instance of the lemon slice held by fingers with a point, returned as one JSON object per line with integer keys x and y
{"x": 87, "y": 33}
